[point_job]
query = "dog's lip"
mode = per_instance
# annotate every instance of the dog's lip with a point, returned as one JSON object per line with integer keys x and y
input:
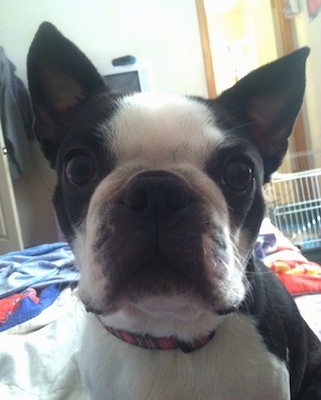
{"x": 180, "y": 307}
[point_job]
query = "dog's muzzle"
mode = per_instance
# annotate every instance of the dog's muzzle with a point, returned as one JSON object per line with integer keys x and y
{"x": 150, "y": 239}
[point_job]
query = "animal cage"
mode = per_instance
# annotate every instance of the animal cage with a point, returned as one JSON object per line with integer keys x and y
{"x": 294, "y": 202}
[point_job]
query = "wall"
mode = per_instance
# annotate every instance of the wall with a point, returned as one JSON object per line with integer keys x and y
{"x": 238, "y": 36}
{"x": 258, "y": 20}
{"x": 308, "y": 33}
{"x": 226, "y": 30}
{"x": 165, "y": 33}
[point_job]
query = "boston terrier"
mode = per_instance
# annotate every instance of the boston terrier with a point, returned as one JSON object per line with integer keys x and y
{"x": 160, "y": 198}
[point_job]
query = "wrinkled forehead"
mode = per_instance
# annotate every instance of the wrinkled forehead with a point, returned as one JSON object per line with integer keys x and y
{"x": 162, "y": 128}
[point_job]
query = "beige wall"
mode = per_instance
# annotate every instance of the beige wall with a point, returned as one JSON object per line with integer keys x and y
{"x": 308, "y": 33}
{"x": 165, "y": 33}
{"x": 242, "y": 38}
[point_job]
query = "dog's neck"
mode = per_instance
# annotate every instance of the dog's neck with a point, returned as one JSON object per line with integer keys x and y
{"x": 160, "y": 343}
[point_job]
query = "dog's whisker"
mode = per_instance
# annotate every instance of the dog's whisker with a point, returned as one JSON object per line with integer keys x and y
{"x": 240, "y": 126}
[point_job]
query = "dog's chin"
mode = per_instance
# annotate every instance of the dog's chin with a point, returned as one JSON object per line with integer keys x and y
{"x": 181, "y": 308}
{"x": 185, "y": 316}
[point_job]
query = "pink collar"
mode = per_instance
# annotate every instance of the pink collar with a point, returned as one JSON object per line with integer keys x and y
{"x": 160, "y": 343}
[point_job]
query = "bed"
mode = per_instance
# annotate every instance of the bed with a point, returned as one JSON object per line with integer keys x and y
{"x": 41, "y": 318}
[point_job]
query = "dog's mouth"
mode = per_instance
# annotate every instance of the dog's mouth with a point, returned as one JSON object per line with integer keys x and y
{"x": 160, "y": 291}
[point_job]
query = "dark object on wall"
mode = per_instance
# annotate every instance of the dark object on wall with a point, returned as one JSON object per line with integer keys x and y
{"x": 125, "y": 60}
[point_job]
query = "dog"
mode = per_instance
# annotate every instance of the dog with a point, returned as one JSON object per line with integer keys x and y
{"x": 161, "y": 200}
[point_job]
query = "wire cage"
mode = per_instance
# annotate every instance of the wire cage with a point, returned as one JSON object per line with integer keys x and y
{"x": 294, "y": 200}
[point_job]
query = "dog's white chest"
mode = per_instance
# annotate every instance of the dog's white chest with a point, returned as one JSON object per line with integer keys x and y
{"x": 234, "y": 365}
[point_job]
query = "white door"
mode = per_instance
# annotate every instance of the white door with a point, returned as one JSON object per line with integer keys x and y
{"x": 10, "y": 232}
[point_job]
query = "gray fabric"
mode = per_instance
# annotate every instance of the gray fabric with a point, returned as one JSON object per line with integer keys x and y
{"x": 14, "y": 132}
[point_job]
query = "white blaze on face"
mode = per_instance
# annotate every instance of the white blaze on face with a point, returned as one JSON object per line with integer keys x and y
{"x": 161, "y": 130}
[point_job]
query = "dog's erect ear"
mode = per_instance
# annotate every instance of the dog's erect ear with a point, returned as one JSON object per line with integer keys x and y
{"x": 61, "y": 79}
{"x": 266, "y": 102}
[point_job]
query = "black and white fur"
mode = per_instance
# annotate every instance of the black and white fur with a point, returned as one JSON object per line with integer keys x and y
{"x": 161, "y": 199}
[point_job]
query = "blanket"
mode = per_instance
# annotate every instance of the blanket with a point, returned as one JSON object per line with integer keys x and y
{"x": 38, "y": 358}
{"x": 298, "y": 274}
{"x": 36, "y": 267}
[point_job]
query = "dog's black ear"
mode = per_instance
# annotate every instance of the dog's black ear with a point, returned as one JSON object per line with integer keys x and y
{"x": 61, "y": 79}
{"x": 266, "y": 102}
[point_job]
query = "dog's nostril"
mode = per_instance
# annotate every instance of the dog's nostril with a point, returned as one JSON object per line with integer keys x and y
{"x": 178, "y": 198}
{"x": 136, "y": 199}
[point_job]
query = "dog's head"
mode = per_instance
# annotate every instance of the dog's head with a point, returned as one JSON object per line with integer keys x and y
{"x": 160, "y": 196}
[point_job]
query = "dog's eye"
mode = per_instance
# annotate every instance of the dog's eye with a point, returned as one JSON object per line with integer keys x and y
{"x": 80, "y": 169}
{"x": 238, "y": 175}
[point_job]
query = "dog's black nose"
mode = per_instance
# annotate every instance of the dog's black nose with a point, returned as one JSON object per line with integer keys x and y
{"x": 157, "y": 194}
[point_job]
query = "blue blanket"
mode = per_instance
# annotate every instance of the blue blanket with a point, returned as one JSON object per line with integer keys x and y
{"x": 36, "y": 267}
